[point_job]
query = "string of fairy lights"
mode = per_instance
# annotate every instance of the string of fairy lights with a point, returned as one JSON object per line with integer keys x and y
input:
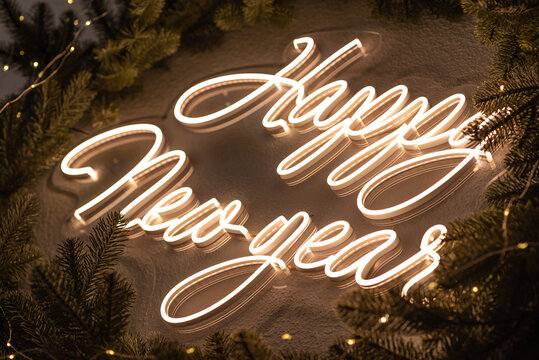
{"x": 60, "y": 59}
{"x": 34, "y": 63}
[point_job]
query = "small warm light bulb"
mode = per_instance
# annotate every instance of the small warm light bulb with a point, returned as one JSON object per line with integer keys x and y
{"x": 475, "y": 289}
{"x": 190, "y": 350}
{"x": 71, "y": 49}
{"x": 35, "y": 64}
{"x": 11, "y": 356}
{"x": 350, "y": 342}
{"x": 433, "y": 285}
{"x": 6, "y": 67}
{"x": 522, "y": 245}
{"x": 88, "y": 22}
{"x": 110, "y": 352}
{"x": 383, "y": 319}
{"x": 70, "y": 2}
{"x": 286, "y": 336}
{"x": 8, "y": 344}
{"x": 21, "y": 18}
{"x": 18, "y": 115}
{"x": 506, "y": 212}
{"x": 501, "y": 87}
{"x": 76, "y": 22}
{"x": 21, "y": 52}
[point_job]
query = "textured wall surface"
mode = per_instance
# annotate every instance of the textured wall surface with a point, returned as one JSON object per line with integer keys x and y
{"x": 434, "y": 58}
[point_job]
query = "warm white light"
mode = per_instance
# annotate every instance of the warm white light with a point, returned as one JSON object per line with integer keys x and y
{"x": 95, "y": 144}
{"x": 384, "y": 126}
{"x": 469, "y": 156}
{"x": 296, "y": 92}
{"x": 223, "y": 117}
{"x": 266, "y": 264}
{"x": 329, "y": 237}
{"x": 440, "y": 132}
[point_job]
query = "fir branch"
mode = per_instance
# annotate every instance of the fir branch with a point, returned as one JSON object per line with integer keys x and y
{"x": 39, "y": 332}
{"x": 17, "y": 217}
{"x": 106, "y": 245}
{"x": 217, "y": 346}
{"x": 249, "y": 345}
{"x": 359, "y": 348}
{"x": 299, "y": 355}
{"x": 145, "y": 13}
{"x": 255, "y": 11}
{"x": 229, "y": 16}
{"x": 33, "y": 140}
{"x": 51, "y": 68}
{"x": 57, "y": 299}
{"x": 470, "y": 243}
{"x": 73, "y": 260}
{"x": 111, "y": 308}
{"x": 518, "y": 89}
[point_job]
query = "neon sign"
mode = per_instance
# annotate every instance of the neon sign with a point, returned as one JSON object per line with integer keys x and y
{"x": 385, "y": 127}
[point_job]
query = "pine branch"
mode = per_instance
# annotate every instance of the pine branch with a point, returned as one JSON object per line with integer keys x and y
{"x": 106, "y": 245}
{"x": 509, "y": 188}
{"x": 73, "y": 260}
{"x": 57, "y": 298}
{"x": 249, "y": 345}
{"x": 518, "y": 89}
{"x": 17, "y": 217}
{"x": 504, "y": 125}
{"x": 357, "y": 349}
{"x": 139, "y": 45}
{"x": 145, "y": 13}
{"x": 471, "y": 238}
{"x": 33, "y": 327}
{"x": 299, "y": 355}
{"x": 160, "y": 349}
{"x": 257, "y": 11}
{"x": 217, "y": 346}
{"x": 111, "y": 308}
{"x": 107, "y": 27}
{"x": 229, "y": 16}
{"x": 33, "y": 139}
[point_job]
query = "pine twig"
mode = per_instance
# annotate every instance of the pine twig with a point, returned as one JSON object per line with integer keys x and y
{"x": 508, "y": 208}
{"x": 61, "y": 57}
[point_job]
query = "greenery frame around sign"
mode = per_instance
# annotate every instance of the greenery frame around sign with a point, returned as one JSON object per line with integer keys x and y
{"x": 483, "y": 300}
